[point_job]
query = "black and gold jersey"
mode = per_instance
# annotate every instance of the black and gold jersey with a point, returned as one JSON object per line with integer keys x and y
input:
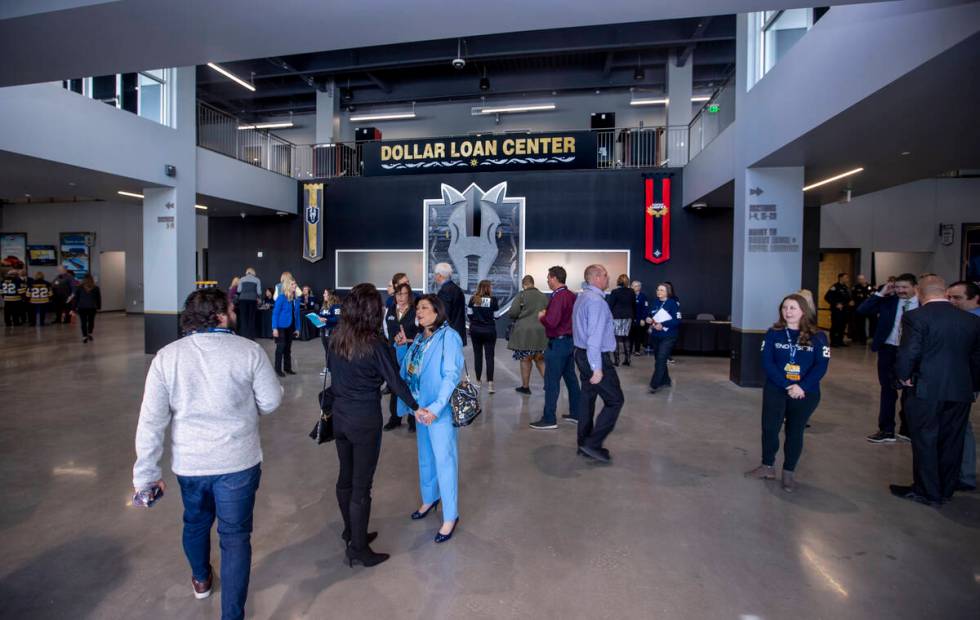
{"x": 39, "y": 292}
{"x": 11, "y": 289}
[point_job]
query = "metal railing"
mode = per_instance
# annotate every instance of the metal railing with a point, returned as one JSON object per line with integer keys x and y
{"x": 706, "y": 125}
{"x": 623, "y": 147}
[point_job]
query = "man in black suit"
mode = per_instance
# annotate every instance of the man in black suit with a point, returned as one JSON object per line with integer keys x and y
{"x": 939, "y": 363}
{"x": 888, "y": 305}
{"x": 453, "y": 297}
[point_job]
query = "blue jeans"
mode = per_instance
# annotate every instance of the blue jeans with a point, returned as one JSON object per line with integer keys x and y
{"x": 230, "y": 497}
{"x": 559, "y": 364}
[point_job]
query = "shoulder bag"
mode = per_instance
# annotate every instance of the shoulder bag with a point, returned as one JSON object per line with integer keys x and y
{"x": 323, "y": 431}
{"x": 465, "y": 399}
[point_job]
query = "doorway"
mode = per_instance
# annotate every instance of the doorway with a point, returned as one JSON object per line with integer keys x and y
{"x": 112, "y": 280}
{"x": 833, "y": 262}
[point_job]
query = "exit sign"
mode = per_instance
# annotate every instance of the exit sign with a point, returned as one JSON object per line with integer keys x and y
{"x": 713, "y": 108}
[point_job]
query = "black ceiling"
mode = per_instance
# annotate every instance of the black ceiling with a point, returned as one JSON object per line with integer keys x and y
{"x": 565, "y": 60}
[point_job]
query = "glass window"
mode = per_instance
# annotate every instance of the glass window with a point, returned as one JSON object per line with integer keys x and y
{"x": 151, "y": 91}
{"x": 780, "y": 31}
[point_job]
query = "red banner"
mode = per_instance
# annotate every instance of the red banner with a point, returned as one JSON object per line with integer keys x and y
{"x": 657, "y": 220}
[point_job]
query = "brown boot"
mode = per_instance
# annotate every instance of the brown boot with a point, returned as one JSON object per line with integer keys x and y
{"x": 789, "y": 483}
{"x": 762, "y": 472}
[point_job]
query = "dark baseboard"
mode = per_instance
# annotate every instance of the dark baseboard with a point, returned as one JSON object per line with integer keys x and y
{"x": 746, "y": 364}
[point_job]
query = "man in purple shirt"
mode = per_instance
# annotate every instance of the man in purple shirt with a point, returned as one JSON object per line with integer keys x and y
{"x": 592, "y": 332}
{"x": 558, "y": 361}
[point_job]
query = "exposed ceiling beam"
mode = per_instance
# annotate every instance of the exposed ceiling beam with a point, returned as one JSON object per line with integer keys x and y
{"x": 699, "y": 31}
{"x": 289, "y": 70}
{"x": 384, "y": 86}
{"x": 610, "y": 57}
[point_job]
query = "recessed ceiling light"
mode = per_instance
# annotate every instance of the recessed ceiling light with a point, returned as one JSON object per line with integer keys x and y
{"x": 72, "y": 183}
{"x": 231, "y": 76}
{"x": 906, "y": 152}
{"x": 282, "y": 125}
{"x": 201, "y": 207}
{"x": 833, "y": 178}
{"x": 130, "y": 194}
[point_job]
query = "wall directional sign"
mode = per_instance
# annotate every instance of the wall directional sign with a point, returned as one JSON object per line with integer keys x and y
{"x": 755, "y": 191}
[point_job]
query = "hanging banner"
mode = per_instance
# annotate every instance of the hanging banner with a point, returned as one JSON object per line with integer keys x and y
{"x": 524, "y": 151}
{"x": 657, "y": 219}
{"x": 312, "y": 221}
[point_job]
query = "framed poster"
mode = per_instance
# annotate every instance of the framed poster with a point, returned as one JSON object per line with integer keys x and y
{"x": 42, "y": 255}
{"x": 970, "y": 248}
{"x": 75, "y": 253}
{"x": 13, "y": 245}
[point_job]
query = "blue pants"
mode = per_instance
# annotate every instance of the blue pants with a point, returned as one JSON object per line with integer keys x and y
{"x": 438, "y": 470}
{"x": 230, "y": 497}
{"x": 662, "y": 348}
{"x": 968, "y": 471}
{"x": 559, "y": 363}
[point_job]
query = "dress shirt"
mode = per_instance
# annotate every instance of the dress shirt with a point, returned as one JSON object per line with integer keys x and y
{"x": 904, "y": 305}
{"x": 557, "y": 320}
{"x": 592, "y": 325}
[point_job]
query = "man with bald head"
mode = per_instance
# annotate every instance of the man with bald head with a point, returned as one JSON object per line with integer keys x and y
{"x": 939, "y": 363}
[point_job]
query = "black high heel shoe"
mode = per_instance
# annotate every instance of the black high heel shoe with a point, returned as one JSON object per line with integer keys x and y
{"x": 421, "y": 515}
{"x": 441, "y": 538}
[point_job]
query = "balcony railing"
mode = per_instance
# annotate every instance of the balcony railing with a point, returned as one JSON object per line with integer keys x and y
{"x": 706, "y": 124}
{"x": 626, "y": 147}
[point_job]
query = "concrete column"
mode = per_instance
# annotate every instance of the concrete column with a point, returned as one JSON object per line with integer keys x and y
{"x": 680, "y": 85}
{"x": 170, "y": 227}
{"x": 328, "y": 114}
{"x": 767, "y": 260}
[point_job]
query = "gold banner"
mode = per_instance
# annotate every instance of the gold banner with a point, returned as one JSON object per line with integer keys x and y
{"x": 313, "y": 221}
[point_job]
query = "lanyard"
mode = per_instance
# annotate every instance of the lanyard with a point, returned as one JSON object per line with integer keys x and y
{"x": 420, "y": 346}
{"x": 213, "y": 330}
{"x": 793, "y": 347}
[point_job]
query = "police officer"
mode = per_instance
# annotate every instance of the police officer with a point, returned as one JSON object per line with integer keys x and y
{"x": 839, "y": 298}
{"x": 38, "y": 297}
{"x": 862, "y": 290}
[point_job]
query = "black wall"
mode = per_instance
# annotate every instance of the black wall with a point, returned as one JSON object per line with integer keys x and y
{"x": 587, "y": 209}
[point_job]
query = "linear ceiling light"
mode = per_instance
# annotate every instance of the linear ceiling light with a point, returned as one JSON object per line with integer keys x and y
{"x": 543, "y": 107}
{"x": 130, "y": 194}
{"x": 383, "y": 117}
{"x": 281, "y": 125}
{"x": 201, "y": 207}
{"x": 833, "y": 178}
{"x": 231, "y": 76}
{"x": 660, "y": 101}
{"x": 700, "y": 98}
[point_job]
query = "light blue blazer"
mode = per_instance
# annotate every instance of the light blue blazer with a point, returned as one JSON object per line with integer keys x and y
{"x": 442, "y": 366}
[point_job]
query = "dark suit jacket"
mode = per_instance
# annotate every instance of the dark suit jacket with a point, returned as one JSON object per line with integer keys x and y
{"x": 885, "y": 308}
{"x": 940, "y": 352}
{"x": 455, "y": 301}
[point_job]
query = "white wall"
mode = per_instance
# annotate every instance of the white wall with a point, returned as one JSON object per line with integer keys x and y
{"x": 117, "y": 227}
{"x": 226, "y": 177}
{"x": 905, "y": 218}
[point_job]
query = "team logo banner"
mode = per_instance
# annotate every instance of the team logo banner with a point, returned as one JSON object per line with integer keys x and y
{"x": 313, "y": 221}
{"x": 657, "y": 219}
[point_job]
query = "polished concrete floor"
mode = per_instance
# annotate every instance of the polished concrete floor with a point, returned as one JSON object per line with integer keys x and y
{"x": 669, "y": 530}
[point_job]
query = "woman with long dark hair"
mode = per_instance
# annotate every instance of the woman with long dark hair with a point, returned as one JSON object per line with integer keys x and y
{"x": 87, "y": 300}
{"x": 400, "y": 329}
{"x": 795, "y": 356}
{"x": 432, "y": 367}
{"x": 483, "y": 307}
{"x": 360, "y": 361}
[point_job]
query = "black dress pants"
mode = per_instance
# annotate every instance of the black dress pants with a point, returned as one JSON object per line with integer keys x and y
{"x": 662, "y": 348}
{"x": 592, "y": 431}
{"x": 358, "y": 442}
{"x": 937, "y": 431}
{"x": 247, "y": 311}
{"x": 86, "y": 317}
{"x": 887, "y": 356}
{"x": 778, "y": 408}
{"x": 838, "y": 323}
{"x": 483, "y": 347}
{"x": 284, "y": 349}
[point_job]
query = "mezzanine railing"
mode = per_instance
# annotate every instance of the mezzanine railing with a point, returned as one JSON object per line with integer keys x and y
{"x": 717, "y": 114}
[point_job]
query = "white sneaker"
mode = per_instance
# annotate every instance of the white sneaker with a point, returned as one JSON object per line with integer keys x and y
{"x": 324, "y": 371}
{"x": 490, "y": 387}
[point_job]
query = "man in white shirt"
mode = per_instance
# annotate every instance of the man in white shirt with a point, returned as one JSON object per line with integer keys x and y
{"x": 889, "y": 305}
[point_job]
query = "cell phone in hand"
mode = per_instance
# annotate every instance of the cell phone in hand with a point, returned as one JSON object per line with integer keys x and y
{"x": 148, "y": 496}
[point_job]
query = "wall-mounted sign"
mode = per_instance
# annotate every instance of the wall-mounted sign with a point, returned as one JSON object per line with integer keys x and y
{"x": 313, "y": 221}
{"x": 42, "y": 255}
{"x": 75, "y": 253}
{"x": 15, "y": 245}
{"x": 549, "y": 151}
{"x": 712, "y": 108}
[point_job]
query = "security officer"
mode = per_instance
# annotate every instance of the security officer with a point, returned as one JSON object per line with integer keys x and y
{"x": 839, "y": 298}
{"x": 38, "y": 298}
{"x": 862, "y": 290}
{"x": 10, "y": 288}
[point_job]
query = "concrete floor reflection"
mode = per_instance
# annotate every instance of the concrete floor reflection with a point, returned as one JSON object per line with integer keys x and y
{"x": 669, "y": 530}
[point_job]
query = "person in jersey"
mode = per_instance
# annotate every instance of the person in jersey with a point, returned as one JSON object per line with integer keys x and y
{"x": 210, "y": 387}
{"x": 10, "y": 289}
{"x": 38, "y": 297}
{"x": 795, "y": 356}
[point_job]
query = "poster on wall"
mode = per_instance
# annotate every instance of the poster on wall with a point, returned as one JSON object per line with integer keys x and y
{"x": 970, "y": 248}
{"x": 481, "y": 234}
{"x": 42, "y": 255}
{"x": 75, "y": 252}
{"x": 313, "y": 221}
{"x": 13, "y": 245}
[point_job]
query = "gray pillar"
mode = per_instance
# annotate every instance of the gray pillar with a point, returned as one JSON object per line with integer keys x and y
{"x": 767, "y": 260}
{"x": 680, "y": 84}
{"x": 328, "y": 114}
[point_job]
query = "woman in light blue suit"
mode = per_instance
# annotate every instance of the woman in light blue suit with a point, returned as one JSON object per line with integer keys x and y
{"x": 432, "y": 368}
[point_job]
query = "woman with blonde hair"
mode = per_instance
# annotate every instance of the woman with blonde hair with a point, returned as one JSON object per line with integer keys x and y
{"x": 286, "y": 275}
{"x": 286, "y": 325}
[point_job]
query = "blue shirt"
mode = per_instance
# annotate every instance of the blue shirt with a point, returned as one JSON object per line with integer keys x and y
{"x": 672, "y": 326}
{"x": 975, "y": 311}
{"x": 642, "y": 306}
{"x": 592, "y": 325}
{"x": 812, "y": 359}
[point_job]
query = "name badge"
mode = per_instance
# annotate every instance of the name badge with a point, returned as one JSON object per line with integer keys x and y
{"x": 792, "y": 372}
{"x": 411, "y": 368}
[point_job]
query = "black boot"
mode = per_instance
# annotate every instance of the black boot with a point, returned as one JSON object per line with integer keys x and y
{"x": 411, "y": 423}
{"x": 359, "y": 550}
{"x": 393, "y": 422}
{"x": 616, "y": 357}
{"x": 343, "y": 500}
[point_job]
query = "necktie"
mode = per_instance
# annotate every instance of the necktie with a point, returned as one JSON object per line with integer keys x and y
{"x": 905, "y": 308}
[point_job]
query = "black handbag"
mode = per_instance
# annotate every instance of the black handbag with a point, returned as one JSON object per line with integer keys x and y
{"x": 323, "y": 431}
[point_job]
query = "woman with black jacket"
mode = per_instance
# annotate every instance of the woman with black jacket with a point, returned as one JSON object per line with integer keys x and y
{"x": 400, "y": 329}
{"x": 360, "y": 361}
{"x": 483, "y": 309}
{"x": 622, "y": 303}
{"x": 86, "y": 301}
